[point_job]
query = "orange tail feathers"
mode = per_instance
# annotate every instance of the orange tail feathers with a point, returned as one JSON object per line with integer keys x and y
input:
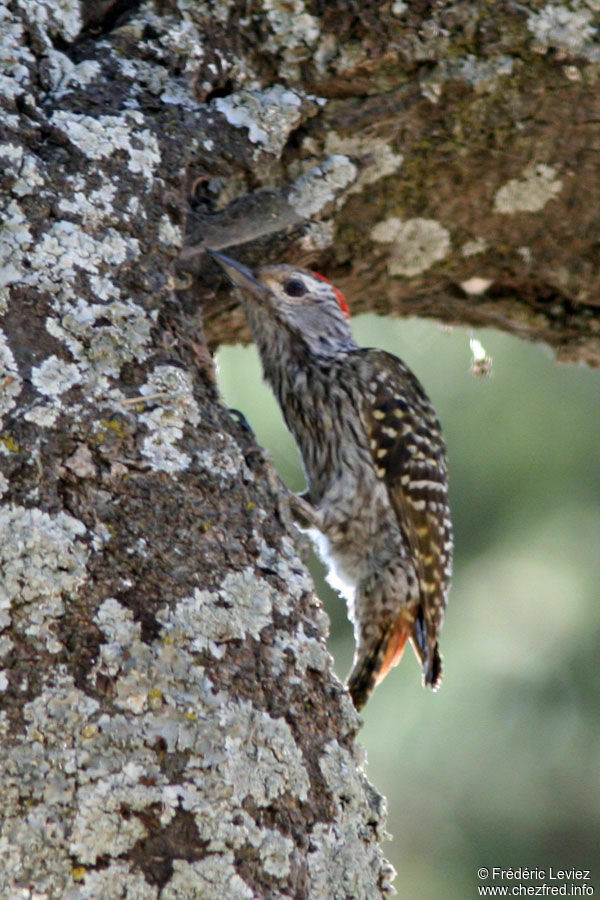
{"x": 394, "y": 649}
{"x": 375, "y": 661}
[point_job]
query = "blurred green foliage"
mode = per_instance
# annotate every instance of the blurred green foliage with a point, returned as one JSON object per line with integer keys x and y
{"x": 502, "y": 766}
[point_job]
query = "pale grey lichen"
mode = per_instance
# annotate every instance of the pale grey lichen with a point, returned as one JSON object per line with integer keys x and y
{"x": 529, "y": 193}
{"x": 482, "y": 74}
{"x": 62, "y": 73}
{"x": 15, "y": 239}
{"x": 340, "y": 865}
{"x": 54, "y": 376}
{"x": 294, "y": 33}
{"x": 58, "y": 258}
{"x": 237, "y": 830}
{"x": 116, "y": 621}
{"x": 33, "y": 833}
{"x": 416, "y": 244}
{"x": 169, "y": 233}
{"x": 275, "y": 851}
{"x": 101, "y": 349}
{"x": 473, "y": 247}
{"x": 292, "y": 26}
{"x": 309, "y": 652}
{"x": 165, "y": 423}
{"x": 226, "y": 461}
{"x": 42, "y": 559}
{"x": 181, "y": 38}
{"x": 237, "y": 751}
{"x": 175, "y": 34}
{"x": 43, "y": 414}
{"x": 100, "y": 764}
{"x": 57, "y": 17}
{"x": 120, "y": 880}
{"x": 51, "y": 378}
{"x": 212, "y": 878}
{"x": 100, "y": 824}
{"x": 343, "y": 863}
{"x": 322, "y": 185}
{"x": 81, "y": 462}
{"x": 66, "y": 246}
{"x": 15, "y": 61}
{"x": 125, "y": 658}
{"x": 256, "y": 757}
{"x": 325, "y": 53}
{"x": 251, "y": 597}
{"x": 23, "y": 166}
{"x": 11, "y": 382}
{"x": 317, "y": 235}
{"x": 105, "y": 781}
{"x": 135, "y": 208}
{"x": 153, "y": 79}
{"x": 285, "y": 562}
{"x": 269, "y": 115}
{"x": 378, "y": 158}
{"x": 92, "y": 208}
{"x": 98, "y": 138}
{"x": 11, "y": 152}
{"x": 57, "y": 703}
{"x": 343, "y": 780}
{"x": 569, "y": 28}
{"x": 6, "y": 642}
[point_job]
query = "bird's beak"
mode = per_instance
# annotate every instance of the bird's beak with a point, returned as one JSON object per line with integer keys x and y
{"x": 241, "y": 275}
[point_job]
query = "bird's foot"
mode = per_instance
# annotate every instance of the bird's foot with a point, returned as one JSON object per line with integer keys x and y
{"x": 305, "y": 515}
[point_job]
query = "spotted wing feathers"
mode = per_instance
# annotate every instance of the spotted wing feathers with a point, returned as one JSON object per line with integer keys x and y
{"x": 409, "y": 456}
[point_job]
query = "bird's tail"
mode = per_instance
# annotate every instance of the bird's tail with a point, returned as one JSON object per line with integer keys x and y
{"x": 373, "y": 661}
{"x": 427, "y": 651}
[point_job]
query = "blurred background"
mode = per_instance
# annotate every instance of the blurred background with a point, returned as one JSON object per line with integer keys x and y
{"x": 502, "y": 766}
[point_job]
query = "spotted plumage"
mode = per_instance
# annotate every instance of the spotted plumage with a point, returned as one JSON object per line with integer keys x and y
{"x": 373, "y": 453}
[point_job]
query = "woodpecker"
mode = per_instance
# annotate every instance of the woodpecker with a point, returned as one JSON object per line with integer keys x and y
{"x": 375, "y": 465}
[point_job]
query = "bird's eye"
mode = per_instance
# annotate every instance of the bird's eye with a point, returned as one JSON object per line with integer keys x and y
{"x": 294, "y": 287}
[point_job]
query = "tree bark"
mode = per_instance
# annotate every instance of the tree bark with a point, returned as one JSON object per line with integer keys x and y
{"x": 170, "y": 723}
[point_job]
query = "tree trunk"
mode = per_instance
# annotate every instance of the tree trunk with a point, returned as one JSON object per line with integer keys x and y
{"x": 170, "y": 723}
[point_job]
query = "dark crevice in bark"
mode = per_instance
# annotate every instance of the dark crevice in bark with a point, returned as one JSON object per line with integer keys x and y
{"x": 154, "y": 854}
{"x": 101, "y": 16}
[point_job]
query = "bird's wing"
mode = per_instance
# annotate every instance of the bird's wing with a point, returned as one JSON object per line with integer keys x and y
{"x": 409, "y": 456}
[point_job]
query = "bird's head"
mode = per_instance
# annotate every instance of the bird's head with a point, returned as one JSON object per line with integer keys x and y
{"x": 302, "y": 303}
